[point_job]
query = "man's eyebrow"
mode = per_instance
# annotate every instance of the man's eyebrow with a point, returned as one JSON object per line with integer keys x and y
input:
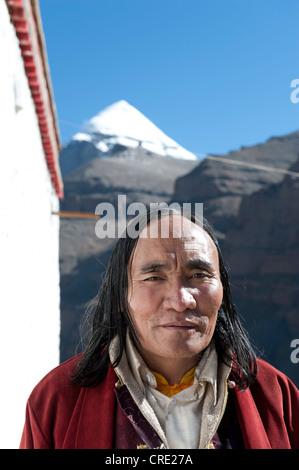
{"x": 154, "y": 266}
{"x": 199, "y": 264}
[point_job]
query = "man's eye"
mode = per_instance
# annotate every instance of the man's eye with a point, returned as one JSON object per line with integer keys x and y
{"x": 200, "y": 275}
{"x": 152, "y": 278}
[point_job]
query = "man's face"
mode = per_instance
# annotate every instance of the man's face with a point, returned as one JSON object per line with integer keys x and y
{"x": 174, "y": 291}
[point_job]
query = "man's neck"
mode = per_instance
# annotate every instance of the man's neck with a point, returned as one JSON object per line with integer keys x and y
{"x": 172, "y": 369}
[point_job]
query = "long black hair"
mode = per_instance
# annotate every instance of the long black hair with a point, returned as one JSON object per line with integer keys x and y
{"x": 109, "y": 314}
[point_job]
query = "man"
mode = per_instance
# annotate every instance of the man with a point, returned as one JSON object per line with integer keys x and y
{"x": 168, "y": 364}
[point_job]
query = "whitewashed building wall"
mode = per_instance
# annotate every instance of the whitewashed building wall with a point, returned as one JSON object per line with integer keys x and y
{"x": 29, "y": 244}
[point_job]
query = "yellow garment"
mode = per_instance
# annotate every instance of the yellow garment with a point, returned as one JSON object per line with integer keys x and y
{"x": 170, "y": 390}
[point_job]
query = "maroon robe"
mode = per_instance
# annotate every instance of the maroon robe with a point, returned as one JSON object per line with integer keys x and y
{"x": 60, "y": 415}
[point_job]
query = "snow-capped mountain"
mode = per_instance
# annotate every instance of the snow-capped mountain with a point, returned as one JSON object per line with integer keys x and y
{"x": 122, "y": 124}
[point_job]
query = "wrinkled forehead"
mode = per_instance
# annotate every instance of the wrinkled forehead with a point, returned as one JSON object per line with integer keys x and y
{"x": 177, "y": 236}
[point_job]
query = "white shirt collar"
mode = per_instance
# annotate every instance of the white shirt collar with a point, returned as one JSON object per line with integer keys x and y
{"x": 206, "y": 370}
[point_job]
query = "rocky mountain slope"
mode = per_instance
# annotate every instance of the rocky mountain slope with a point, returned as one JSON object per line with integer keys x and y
{"x": 222, "y": 186}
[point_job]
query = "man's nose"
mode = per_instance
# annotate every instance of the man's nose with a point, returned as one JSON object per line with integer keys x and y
{"x": 179, "y": 297}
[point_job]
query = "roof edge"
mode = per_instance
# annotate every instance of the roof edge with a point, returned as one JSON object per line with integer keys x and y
{"x": 26, "y": 19}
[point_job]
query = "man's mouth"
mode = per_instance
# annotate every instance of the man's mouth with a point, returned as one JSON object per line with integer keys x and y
{"x": 180, "y": 326}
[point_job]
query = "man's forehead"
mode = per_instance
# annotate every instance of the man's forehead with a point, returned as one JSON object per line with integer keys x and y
{"x": 191, "y": 247}
{"x": 177, "y": 229}
{"x": 194, "y": 243}
{"x": 174, "y": 226}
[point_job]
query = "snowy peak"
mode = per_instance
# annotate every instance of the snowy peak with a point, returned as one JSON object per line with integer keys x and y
{"x": 122, "y": 124}
{"x": 123, "y": 120}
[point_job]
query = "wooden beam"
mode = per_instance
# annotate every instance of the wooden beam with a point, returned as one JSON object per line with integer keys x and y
{"x": 76, "y": 215}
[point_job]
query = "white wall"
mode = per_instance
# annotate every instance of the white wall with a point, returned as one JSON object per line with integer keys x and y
{"x": 29, "y": 245}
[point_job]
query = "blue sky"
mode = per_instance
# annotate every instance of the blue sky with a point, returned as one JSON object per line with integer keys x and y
{"x": 214, "y": 75}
